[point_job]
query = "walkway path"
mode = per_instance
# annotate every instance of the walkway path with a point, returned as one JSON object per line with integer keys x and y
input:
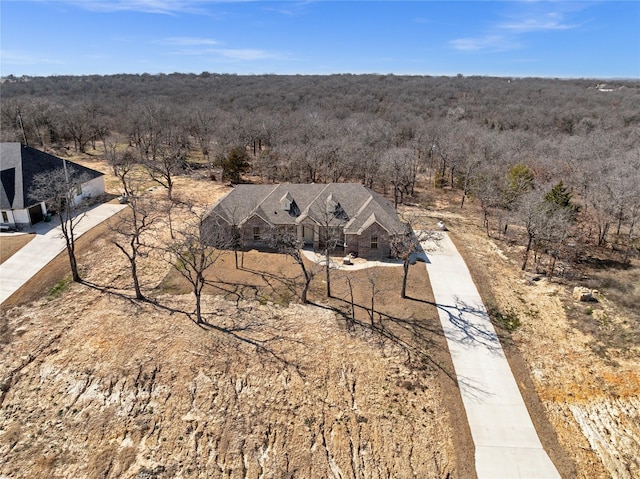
{"x": 36, "y": 254}
{"x": 506, "y": 442}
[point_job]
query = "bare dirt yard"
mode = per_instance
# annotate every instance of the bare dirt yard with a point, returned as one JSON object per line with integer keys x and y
{"x": 95, "y": 384}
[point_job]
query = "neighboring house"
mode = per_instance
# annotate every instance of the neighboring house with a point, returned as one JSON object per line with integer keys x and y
{"x": 19, "y": 164}
{"x": 358, "y": 219}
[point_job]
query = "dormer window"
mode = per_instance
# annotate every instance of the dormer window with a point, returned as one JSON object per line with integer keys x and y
{"x": 293, "y": 209}
{"x": 331, "y": 204}
{"x": 286, "y": 201}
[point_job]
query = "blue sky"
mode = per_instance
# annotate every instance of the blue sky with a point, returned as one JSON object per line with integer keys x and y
{"x": 594, "y": 39}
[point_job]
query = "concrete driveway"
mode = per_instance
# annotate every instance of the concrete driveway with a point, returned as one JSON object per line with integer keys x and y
{"x": 47, "y": 244}
{"x": 507, "y": 444}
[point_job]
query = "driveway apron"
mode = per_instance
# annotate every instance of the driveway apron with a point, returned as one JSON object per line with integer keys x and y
{"x": 506, "y": 442}
{"x": 43, "y": 248}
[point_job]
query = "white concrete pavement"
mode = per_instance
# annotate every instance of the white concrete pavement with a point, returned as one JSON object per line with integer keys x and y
{"x": 506, "y": 442}
{"x": 36, "y": 254}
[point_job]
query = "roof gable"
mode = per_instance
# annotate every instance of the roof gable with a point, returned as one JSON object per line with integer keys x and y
{"x": 350, "y": 205}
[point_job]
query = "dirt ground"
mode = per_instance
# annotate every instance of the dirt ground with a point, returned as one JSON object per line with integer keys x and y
{"x": 581, "y": 386}
{"x": 95, "y": 384}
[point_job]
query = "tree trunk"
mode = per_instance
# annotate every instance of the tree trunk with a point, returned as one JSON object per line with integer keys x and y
{"x": 405, "y": 267}
{"x": 169, "y": 189}
{"x": 197, "y": 290}
{"x": 526, "y": 253}
{"x": 371, "y": 313}
{"x": 303, "y": 296}
{"x": 307, "y": 281}
{"x": 198, "y": 309}
{"x": 353, "y": 308}
{"x": 136, "y": 281}
{"x": 327, "y": 269}
{"x": 74, "y": 266}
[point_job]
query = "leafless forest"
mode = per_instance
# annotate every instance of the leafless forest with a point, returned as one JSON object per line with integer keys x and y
{"x": 559, "y": 160}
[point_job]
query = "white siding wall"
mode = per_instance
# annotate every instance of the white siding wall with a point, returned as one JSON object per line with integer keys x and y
{"x": 90, "y": 189}
{"x": 21, "y": 217}
{"x": 9, "y": 214}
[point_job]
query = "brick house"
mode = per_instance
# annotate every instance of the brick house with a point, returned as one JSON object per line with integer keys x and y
{"x": 351, "y": 216}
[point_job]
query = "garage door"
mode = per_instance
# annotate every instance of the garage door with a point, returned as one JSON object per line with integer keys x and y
{"x": 35, "y": 214}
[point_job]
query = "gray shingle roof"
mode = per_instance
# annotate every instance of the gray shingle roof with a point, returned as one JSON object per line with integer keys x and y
{"x": 349, "y": 204}
{"x": 19, "y": 164}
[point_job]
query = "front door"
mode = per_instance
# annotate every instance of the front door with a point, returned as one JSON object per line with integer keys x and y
{"x": 307, "y": 233}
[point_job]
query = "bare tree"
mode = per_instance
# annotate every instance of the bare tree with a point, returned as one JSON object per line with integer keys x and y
{"x": 167, "y": 162}
{"x": 287, "y": 242}
{"x": 400, "y": 170}
{"x": 122, "y": 163}
{"x": 191, "y": 256}
{"x": 374, "y": 281}
{"x": 60, "y": 189}
{"x": 352, "y": 282}
{"x": 202, "y": 126}
{"x": 331, "y": 218}
{"x": 409, "y": 246}
{"x": 76, "y": 120}
{"x": 141, "y": 219}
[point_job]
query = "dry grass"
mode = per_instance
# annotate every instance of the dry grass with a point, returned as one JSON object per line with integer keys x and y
{"x": 281, "y": 375}
{"x": 9, "y": 244}
{"x": 120, "y": 387}
{"x": 57, "y": 270}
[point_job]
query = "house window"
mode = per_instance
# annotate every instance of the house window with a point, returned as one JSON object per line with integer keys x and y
{"x": 374, "y": 241}
{"x": 5, "y": 218}
{"x": 256, "y": 233}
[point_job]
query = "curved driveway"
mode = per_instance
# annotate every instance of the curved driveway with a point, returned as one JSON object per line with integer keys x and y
{"x": 36, "y": 254}
{"x": 507, "y": 444}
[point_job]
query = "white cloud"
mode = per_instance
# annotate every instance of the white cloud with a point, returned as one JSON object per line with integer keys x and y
{"x": 509, "y": 34}
{"x": 189, "y": 41}
{"x": 248, "y": 54}
{"x": 550, "y": 21}
{"x": 12, "y": 57}
{"x": 166, "y": 7}
{"x": 494, "y": 43}
{"x": 244, "y": 54}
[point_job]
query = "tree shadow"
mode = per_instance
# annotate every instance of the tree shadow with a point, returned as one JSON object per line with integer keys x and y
{"x": 241, "y": 332}
{"x": 418, "y": 339}
{"x": 473, "y": 325}
{"x": 273, "y": 287}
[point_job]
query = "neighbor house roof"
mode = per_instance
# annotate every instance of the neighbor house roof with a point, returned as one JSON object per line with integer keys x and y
{"x": 351, "y": 205}
{"x": 19, "y": 164}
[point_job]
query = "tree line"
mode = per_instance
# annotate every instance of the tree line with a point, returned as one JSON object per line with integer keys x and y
{"x": 558, "y": 159}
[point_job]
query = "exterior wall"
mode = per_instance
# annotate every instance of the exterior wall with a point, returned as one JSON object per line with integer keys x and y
{"x": 10, "y": 219}
{"x": 247, "y": 232}
{"x": 364, "y": 243}
{"x": 352, "y": 242}
{"x": 90, "y": 189}
{"x": 306, "y": 226}
{"x": 21, "y": 218}
{"x": 335, "y": 235}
